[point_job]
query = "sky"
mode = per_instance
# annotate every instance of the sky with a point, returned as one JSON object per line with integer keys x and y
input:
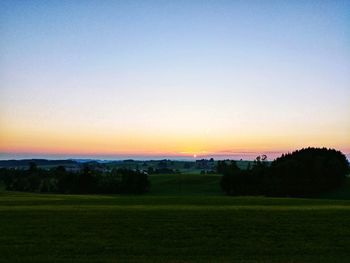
{"x": 176, "y": 79}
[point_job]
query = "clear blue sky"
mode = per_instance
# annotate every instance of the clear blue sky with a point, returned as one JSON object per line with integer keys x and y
{"x": 89, "y": 78}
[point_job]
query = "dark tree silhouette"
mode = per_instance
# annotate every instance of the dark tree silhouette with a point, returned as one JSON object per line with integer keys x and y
{"x": 309, "y": 172}
{"x": 306, "y": 172}
{"x": 88, "y": 181}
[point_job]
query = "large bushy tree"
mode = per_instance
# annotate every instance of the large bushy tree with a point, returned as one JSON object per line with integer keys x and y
{"x": 306, "y": 172}
{"x": 309, "y": 172}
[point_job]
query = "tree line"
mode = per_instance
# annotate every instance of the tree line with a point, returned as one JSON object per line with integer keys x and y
{"x": 303, "y": 173}
{"x": 87, "y": 181}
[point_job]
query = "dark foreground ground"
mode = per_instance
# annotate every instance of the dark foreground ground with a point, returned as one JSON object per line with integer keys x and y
{"x": 172, "y": 228}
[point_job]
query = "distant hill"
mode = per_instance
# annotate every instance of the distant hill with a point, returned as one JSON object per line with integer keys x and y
{"x": 39, "y": 162}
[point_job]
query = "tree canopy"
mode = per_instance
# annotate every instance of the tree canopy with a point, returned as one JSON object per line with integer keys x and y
{"x": 87, "y": 181}
{"x": 305, "y": 172}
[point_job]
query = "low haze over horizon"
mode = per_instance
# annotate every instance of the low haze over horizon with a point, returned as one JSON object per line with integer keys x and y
{"x": 173, "y": 79}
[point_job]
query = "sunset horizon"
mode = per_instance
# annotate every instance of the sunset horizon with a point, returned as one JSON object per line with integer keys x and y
{"x": 171, "y": 131}
{"x": 173, "y": 79}
{"x": 219, "y": 155}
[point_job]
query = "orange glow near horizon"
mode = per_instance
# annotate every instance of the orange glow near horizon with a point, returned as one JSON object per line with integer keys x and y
{"x": 133, "y": 143}
{"x": 130, "y": 79}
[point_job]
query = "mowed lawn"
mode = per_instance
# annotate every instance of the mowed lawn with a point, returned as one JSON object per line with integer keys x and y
{"x": 172, "y": 228}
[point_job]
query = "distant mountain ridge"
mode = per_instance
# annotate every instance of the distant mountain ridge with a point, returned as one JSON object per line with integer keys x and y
{"x": 39, "y": 162}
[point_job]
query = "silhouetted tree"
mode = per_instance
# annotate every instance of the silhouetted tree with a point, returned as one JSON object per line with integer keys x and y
{"x": 88, "y": 181}
{"x": 306, "y": 172}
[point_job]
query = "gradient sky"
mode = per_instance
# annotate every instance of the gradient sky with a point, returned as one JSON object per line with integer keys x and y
{"x": 173, "y": 78}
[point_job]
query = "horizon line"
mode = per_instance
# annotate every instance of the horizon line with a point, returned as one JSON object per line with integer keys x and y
{"x": 244, "y": 155}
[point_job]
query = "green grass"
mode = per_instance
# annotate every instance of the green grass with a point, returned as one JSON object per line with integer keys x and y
{"x": 193, "y": 222}
{"x": 57, "y": 228}
{"x": 185, "y": 184}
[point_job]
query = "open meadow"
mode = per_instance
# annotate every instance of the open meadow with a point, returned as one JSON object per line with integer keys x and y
{"x": 183, "y": 131}
{"x": 204, "y": 226}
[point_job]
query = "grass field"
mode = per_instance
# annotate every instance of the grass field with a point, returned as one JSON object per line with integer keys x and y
{"x": 185, "y": 184}
{"x": 172, "y": 224}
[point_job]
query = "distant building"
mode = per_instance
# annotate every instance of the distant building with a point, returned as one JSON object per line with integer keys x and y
{"x": 205, "y": 164}
{"x": 73, "y": 169}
